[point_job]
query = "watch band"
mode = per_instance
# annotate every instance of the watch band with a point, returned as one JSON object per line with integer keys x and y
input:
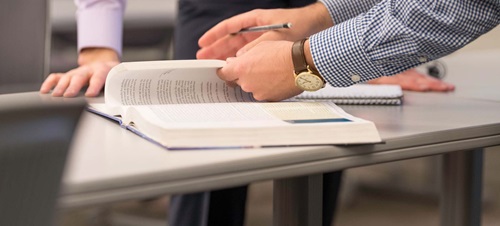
{"x": 305, "y": 77}
{"x": 298, "y": 57}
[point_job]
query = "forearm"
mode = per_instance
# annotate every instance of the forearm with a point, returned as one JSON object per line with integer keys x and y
{"x": 394, "y": 36}
{"x": 100, "y": 24}
{"x": 315, "y": 17}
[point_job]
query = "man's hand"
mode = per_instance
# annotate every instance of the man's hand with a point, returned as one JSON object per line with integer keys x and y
{"x": 265, "y": 70}
{"x": 95, "y": 63}
{"x": 414, "y": 81}
{"x": 219, "y": 43}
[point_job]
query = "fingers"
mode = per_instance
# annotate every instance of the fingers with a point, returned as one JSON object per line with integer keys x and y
{"x": 97, "y": 82}
{"x": 226, "y": 46}
{"x": 413, "y": 80}
{"x": 228, "y": 26}
{"x": 219, "y": 43}
{"x": 232, "y": 83}
{"x": 62, "y": 85}
{"x": 423, "y": 82}
{"x": 50, "y": 82}
{"x": 66, "y": 84}
{"x": 69, "y": 84}
{"x": 77, "y": 81}
{"x": 229, "y": 72}
{"x": 267, "y": 36}
{"x": 222, "y": 48}
{"x": 266, "y": 76}
{"x": 236, "y": 45}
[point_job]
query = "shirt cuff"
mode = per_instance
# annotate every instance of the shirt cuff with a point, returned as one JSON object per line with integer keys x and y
{"x": 339, "y": 56}
{"x": 100, "y": 27}
{"x": 343, "y": 10}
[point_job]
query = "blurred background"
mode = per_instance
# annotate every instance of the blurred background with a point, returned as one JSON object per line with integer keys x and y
{"x": 401, "y": 193}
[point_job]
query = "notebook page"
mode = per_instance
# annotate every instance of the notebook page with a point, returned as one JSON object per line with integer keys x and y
{"x": 360, "y": 94}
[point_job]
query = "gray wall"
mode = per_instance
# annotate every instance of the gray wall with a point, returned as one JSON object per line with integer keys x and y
{"x": 23, "y": 43}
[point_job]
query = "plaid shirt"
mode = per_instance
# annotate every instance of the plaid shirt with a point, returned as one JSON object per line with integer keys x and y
{"x": 376, "y": 38}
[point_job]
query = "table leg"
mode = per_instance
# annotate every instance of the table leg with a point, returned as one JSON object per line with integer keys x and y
{"x": 298, "y": 201}
{"x": 462, "y": 188}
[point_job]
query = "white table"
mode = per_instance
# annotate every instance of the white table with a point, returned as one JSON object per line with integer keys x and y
{"x": 110, "y": 164}
{"x": 476, "y": 74}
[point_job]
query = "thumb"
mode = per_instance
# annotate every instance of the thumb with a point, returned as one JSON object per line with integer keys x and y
{"x": 225, "y": 73}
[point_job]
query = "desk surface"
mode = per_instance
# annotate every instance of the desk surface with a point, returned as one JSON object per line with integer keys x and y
{"x": 476, "y": 74}
{"x": 109, "y": 163}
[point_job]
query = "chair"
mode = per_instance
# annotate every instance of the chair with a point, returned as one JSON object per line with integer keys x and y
{"x": 34, "y": 141}
{"x": 24, "y": 47}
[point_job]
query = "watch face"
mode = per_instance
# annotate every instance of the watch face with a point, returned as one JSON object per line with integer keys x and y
{"x": 309, "y": 82}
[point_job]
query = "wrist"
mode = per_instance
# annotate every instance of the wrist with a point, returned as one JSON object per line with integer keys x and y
{"x": 308, "y": 56}
{"x": 91, "y": 55}
{"x": 306, "y": 76}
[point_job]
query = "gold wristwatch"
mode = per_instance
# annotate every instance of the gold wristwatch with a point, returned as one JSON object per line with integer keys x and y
{"x": 305, "y": 78}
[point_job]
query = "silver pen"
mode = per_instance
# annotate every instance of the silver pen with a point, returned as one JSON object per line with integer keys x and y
{"x": 264, "y": 28}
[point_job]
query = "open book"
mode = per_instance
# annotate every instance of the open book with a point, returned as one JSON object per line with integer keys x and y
{"x": 183, "y": 104}
{"x": 358, "y": 94}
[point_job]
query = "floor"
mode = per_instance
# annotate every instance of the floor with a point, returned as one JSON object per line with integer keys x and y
{"x": 410, "y": 200}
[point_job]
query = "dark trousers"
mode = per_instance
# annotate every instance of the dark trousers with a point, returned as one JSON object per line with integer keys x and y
{"x": 225, "y": 207}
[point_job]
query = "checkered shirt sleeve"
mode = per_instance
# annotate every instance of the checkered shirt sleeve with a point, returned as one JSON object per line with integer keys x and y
{"x": 396, "y": 35}
{"x": 342, "y": 10}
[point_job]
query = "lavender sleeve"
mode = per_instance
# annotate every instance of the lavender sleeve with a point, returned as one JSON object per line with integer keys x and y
{"x": 100, "y": 23}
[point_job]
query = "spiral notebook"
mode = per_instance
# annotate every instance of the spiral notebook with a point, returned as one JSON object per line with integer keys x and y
{"x": 358, "y": 94}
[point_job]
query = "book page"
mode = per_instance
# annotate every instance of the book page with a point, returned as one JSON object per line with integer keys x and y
{"x": 248, "y": 124}
{"x": 242, "y": 114}
{"x": 173, "y": 84}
